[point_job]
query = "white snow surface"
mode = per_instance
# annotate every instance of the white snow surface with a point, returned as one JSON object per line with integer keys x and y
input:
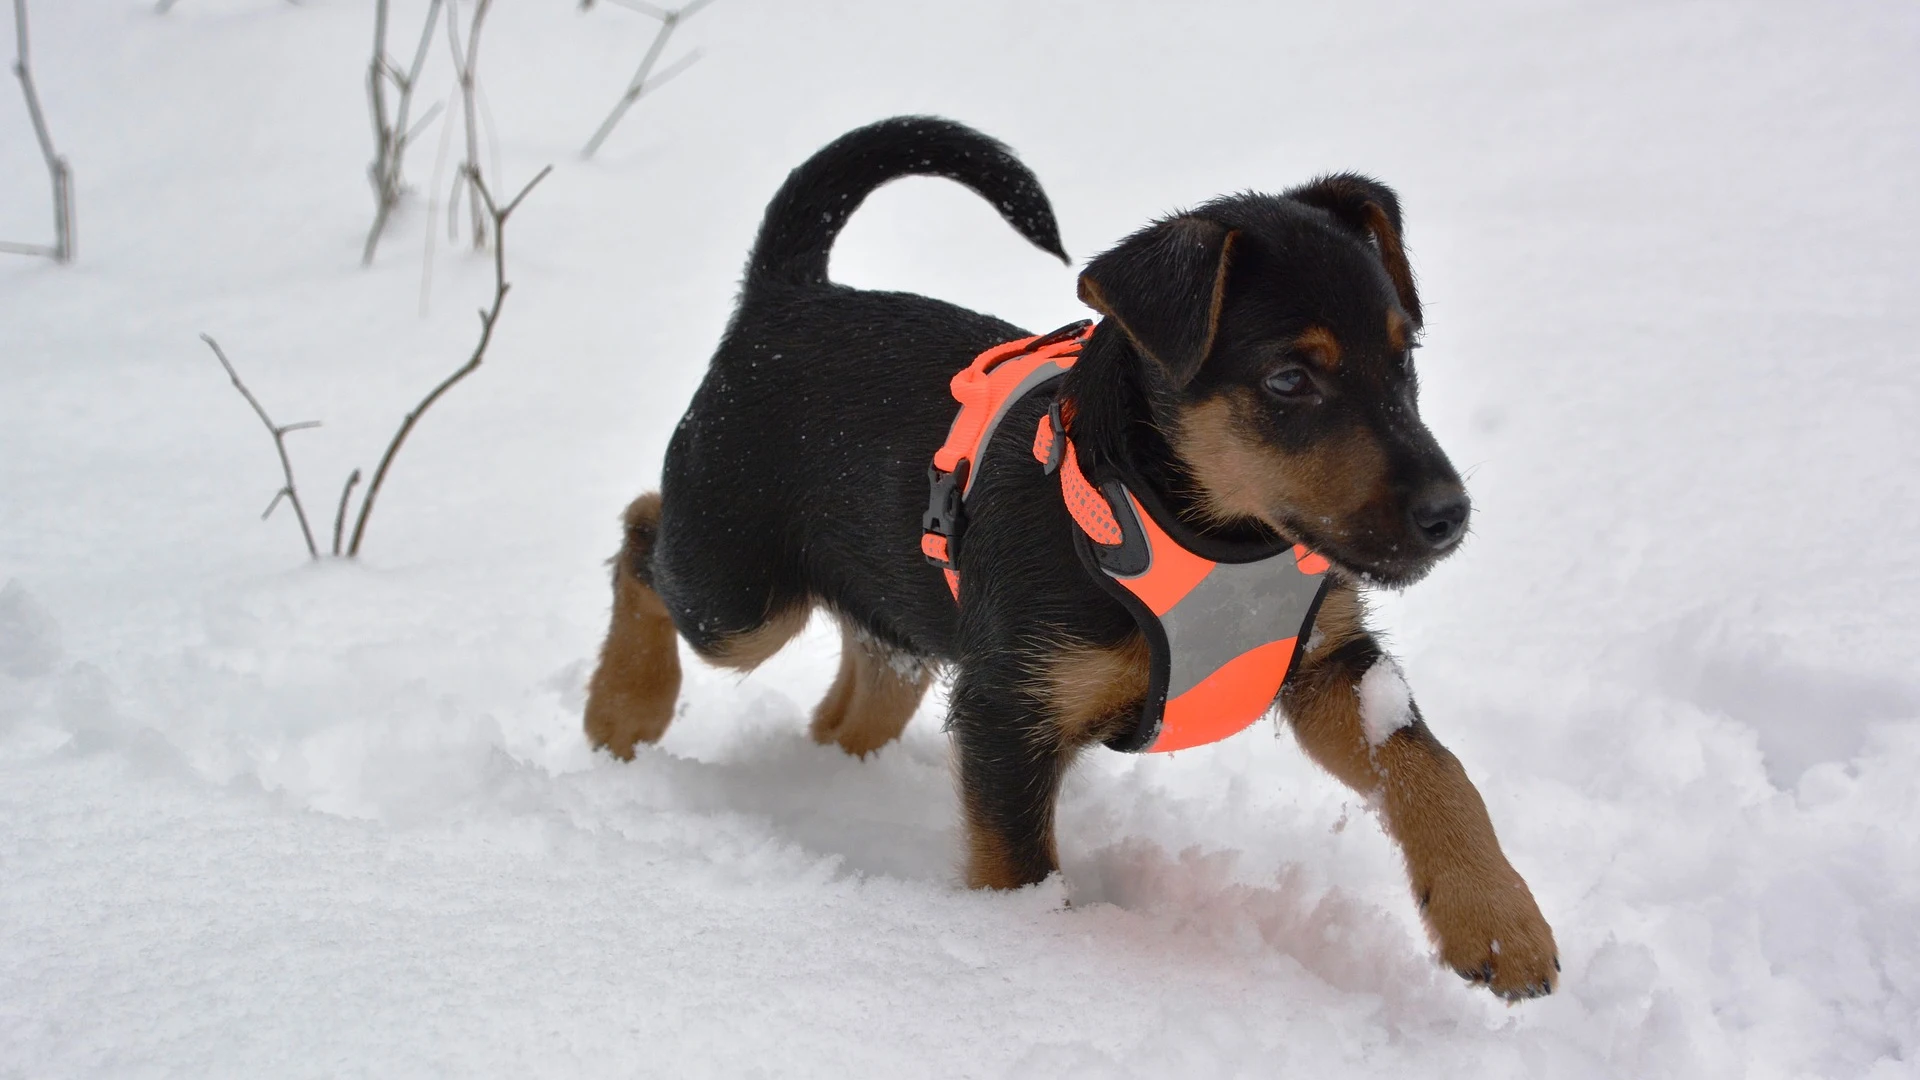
{"x": 1386, "y": 704}
{"x": 266, "y": 818}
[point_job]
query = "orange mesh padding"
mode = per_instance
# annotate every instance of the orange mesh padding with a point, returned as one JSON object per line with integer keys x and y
{"x": 934, "y": 546}
{"x": 1087, "y": 505}
{"x": 1043, "y": 441}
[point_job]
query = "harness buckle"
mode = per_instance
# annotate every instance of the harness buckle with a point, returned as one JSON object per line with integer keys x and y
{"x": 1050, "y": 446}
{"x": 945, "y": 518}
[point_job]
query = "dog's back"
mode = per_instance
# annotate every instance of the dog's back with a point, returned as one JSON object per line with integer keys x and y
{"x": 805, "y": 450}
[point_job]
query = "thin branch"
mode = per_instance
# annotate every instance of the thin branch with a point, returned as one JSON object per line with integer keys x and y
{"x": 489, "y": 318}
{"x": 465, "y": 60}
{"x": 420, "y": 125}
{"x": 391, "y": 136}
{"x": 340, "y": 515}
{"x": 643, "y": 81}
{"x": 279, "y": 433}
{"x": 57, "y": 170}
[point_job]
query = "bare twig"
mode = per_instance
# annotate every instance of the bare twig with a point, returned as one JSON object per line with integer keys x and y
{"x": 62, "y": 176}
{"x": 279, "y": 433}
{"x": 644, "y": 81}
{"x": 340, "y": 515}
{"x": 465, "y": 59}
{"x": 489, "y": 318}
{"x": 392, "y": 136}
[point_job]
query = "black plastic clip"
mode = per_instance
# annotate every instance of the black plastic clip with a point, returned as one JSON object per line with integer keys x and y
{"x": 1056, "y": 449}
{"x": 946, "y": 513}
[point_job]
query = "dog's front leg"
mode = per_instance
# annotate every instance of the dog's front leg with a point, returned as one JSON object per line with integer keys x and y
{"x": 1011, "y": 758}
{"x": 1352, "y": 714}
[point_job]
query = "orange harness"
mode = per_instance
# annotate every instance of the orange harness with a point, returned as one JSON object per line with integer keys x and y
{"x": 1222, "y": 622}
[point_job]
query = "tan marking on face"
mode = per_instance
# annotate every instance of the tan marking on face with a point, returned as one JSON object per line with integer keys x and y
{"x": 1320, "y": 346}
{"x": 1241, "y": 476}
{"x": 1396, "y": 331}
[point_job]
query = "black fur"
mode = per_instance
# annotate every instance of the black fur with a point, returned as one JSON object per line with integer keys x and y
{"x": 798, "y": 475}
{"x": 811, "y": 207}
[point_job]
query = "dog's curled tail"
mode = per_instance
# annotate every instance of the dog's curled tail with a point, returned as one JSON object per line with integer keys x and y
{"x": 811, "y": 207}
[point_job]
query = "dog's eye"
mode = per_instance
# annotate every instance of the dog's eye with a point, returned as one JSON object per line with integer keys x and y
{"x": 1292, "y": 383}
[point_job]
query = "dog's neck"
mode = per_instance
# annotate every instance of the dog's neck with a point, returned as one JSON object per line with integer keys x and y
{"x": 1122, "y": 407}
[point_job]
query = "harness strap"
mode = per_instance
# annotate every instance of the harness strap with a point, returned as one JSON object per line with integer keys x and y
{"x": 995, "y": 381}
{"x": 1089, "y": 508}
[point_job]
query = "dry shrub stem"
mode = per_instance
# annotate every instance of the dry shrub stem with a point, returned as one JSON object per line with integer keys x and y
{"x": 279, "y": 432}
{"x": 61, "y": 175}
{"x": 644, "y": 81}
{"x": 392, "y": 136}
{"x": 489, "y": 318}
{"x": 465, "y": 60}
{"x": 340, "y": 514}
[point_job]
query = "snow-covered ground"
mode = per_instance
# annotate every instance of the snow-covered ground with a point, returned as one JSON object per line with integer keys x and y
{"x": 260, "y": 817}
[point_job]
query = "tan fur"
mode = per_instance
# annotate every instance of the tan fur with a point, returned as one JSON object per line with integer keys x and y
{"x": 631, "y": 697}
{"x": 744, "y": 652}
{"x": 1219, "y": 301}
{"x": 1396, "y": 331}
{"x": 1393, "y": 256}
{"x": 1470, "y": 896}
{"x": 1093, "y": 690}
{"x": 1089, "y": 691}
{"x": 1241, "y": 476}
{"x": 988, "y": 864}
{"x": 870, "y": 701}
{"x": 1319, "y": 344}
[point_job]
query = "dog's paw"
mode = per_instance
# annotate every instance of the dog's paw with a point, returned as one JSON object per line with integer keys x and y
{"x": 1489, "y": 930}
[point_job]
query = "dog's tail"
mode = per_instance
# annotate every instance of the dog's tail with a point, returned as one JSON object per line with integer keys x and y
{"x": 808, "y": 211}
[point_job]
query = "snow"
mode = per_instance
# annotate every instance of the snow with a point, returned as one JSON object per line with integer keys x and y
{"x": 259, "y": 817}
{"x": 1386, "y": 705}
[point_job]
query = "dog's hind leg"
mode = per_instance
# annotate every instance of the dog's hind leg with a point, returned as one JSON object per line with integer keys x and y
{"x": 872, "y": 697}
{"x": 632, "y": 695}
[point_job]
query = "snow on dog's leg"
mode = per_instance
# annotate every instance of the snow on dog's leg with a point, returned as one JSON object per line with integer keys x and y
{"x": 1352, "y": 714}
{"x": 633, "y": 691}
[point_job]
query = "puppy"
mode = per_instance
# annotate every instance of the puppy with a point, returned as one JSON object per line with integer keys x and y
{"x": 1252, "y": 366}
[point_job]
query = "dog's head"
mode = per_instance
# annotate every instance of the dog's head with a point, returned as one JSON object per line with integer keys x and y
{"x": 1274, "y": 338}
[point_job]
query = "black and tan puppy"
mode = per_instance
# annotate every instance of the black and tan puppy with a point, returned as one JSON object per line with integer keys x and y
{"x": 1252, "y": 367}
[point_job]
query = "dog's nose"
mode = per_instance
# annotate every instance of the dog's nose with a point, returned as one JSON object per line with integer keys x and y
{"x": 1439, "y": 515}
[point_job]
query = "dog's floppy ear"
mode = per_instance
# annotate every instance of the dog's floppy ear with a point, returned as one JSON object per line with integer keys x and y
{"x": 1368, "y": 207}
{"x": 1164, "y": 286}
